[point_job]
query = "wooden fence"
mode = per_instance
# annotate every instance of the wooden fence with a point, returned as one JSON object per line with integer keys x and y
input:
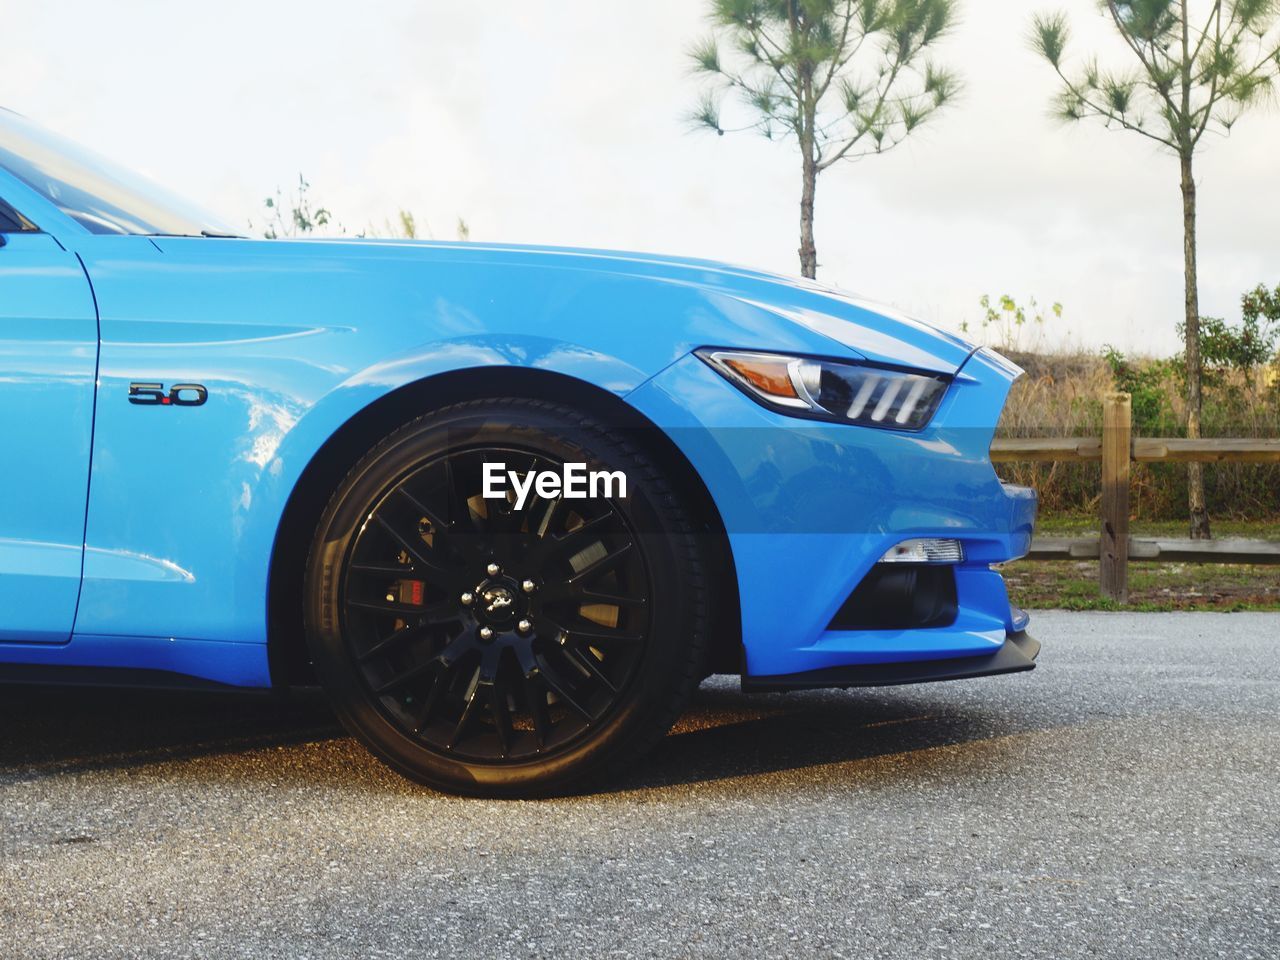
{"x": 1117, "y": 450}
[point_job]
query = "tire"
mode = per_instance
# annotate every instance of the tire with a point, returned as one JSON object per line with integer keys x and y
{"x": 493, "y": 651}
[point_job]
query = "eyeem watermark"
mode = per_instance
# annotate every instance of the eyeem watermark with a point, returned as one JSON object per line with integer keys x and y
{"x": 574, "y": 482}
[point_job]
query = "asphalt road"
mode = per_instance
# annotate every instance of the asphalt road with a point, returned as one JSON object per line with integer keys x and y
{"x": 1121, "y": 801}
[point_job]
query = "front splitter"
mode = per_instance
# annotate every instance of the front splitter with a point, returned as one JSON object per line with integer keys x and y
{"x": 1016, "y": 654}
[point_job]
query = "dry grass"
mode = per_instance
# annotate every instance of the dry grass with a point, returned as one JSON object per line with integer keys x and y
{"x": 1061, "y": 396}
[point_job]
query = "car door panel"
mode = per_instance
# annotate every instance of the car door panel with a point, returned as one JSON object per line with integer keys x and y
{"x": 48, "y": 363}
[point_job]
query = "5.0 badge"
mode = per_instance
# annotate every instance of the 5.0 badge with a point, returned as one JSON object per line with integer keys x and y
{"x": 179, "y": 395}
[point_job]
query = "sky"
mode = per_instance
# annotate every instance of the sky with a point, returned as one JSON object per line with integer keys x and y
{"x": 563, "y": 122}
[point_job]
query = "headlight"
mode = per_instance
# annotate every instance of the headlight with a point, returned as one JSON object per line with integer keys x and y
{"x": 831, "y": 390}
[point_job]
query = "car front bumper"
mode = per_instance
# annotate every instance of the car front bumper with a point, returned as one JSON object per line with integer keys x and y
{"x": 809, "y": 508}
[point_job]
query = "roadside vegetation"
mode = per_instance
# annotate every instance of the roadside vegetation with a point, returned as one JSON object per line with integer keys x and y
{"x": 1153, "y": 587}
{"x": 1061, "y": 396}
{"x": 296, "y": 213}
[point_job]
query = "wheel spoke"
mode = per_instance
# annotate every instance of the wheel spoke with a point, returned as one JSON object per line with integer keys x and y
{"x": 395, "y": 571}
{"x": 552, "y": 677}
{"x": 403, "y": 609}
{"x": 406, "y": 676}
{"x": 600, "y": 635}
{"x": 463, "y": 720}
{"x": 504, "y": 520}
{"x": 587, "y": 661}
{"x": 606, "y": 563}
{"x": 392, "y": 641}
{"x": 575, "y": 587}
{"x": 527, "y": 660}
{"x": 425, "y": 567}
{"x": 577, "y": 538}
{"x": 443, "y": 660}
{"x": 501, "y": 716}
{"x": 429, "y": 703}
{"x": 578, "y": 630}
{"x": 512, "y": 520}
{"x": 612, "y": 599}
{"x": 548, "y": 518}
{"x": 440, "y": 528}
{"x": 457, "y": 494}
{"x": 536, "y": 693}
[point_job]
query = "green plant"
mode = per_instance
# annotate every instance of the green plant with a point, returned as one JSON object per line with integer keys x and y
{"x": 1235, "y": 348}
{"x": 1190, "y": 77}
{"x": 298, "y": 214}
{"x": 294, "y": 215}
{"x": 1261, "y": 304}
{"x": 845, "y": 78}
{"x": 1006, "y": 321}
{"x": 1248, "y": 346}
{"x": 408, "y": 225}
{"x": 1147, "y": 386}
{"x": 1260, "y": 318}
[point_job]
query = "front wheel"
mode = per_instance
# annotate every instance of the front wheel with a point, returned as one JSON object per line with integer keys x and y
{"x": 504, "y": 645}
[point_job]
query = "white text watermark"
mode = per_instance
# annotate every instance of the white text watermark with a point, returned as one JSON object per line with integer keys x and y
{"x": 573, "y": 482}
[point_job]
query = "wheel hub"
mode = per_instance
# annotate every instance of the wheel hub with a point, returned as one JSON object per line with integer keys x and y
{"x": 498, "y": 602}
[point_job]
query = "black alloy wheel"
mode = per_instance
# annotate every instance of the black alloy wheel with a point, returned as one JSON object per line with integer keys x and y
{"x": 485, "y": 648}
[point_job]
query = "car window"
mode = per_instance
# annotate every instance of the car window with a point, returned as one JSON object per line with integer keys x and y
{"x": 97, "y": 194}
{"x": 11, "y": 221}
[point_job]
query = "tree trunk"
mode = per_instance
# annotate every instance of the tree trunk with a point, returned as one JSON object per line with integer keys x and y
{"x": 808, "y": 252}
{"x": 1195, "y": 471}
{"x": 797, "y": 15}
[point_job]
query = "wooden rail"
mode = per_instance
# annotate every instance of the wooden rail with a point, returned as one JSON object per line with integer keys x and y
{"x": 1113, "y": 548}
{"x": 1144, "y": 450}
{"x": 1177, "y": 551}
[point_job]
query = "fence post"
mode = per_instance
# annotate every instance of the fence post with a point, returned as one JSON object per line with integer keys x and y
{"x": 1116, "y": 454}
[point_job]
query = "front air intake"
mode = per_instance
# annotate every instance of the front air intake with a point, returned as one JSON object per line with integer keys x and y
{"x": 900, "y": 597}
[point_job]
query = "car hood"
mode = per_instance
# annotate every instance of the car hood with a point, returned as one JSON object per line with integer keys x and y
{"x": 870, "y": 331}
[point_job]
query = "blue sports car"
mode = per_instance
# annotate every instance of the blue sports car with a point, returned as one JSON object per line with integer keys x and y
{"x": 507, "y": 505}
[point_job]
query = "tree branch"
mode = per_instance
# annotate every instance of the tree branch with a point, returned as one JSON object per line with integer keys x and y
{"x": 883, "y": 95}
{"x": 836, "y": 62}
{"x": 760, "y": 37}
{"x": 1203, "y": 123}
{"x": 1109, "y": 114}
{"x": 1152, "y": 68}
{"x": 1215, "y": 14}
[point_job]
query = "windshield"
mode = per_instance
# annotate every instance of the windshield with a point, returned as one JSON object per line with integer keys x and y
{"x": 97, "y": 194}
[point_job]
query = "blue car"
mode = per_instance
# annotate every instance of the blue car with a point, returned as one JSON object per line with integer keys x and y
{"x": 508, "y": 505}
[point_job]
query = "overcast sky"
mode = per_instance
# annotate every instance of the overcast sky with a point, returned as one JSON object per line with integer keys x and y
{"x": 561, "y": 121}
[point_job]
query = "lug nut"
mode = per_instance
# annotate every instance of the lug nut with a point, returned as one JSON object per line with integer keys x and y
{"x": 524, "y": 626}
{"x": 467, "y": 599}
{"x": 528, "y": 586}
{"x": 486, "y": 633}
{"x": 493, "y": 569}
